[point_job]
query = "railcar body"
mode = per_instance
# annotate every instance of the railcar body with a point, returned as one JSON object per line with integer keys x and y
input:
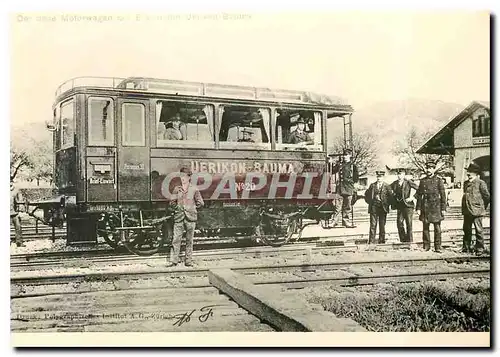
{"x": 119, "y": 145}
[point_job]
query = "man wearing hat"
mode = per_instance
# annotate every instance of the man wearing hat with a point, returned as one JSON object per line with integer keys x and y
{"x": 15, "y": 199}
{"x": 475, "y": 200}
{"x": 431, "y": 205}
{"x": 348, "y": 176}
{"x": 186, "y": 200}
{"x": 299, "y": 135}
{"x": 378, "y": 196}
{"x": 246, "y": 136}
{"x": 404, "y": 205}
{"x": 172, "y": 128}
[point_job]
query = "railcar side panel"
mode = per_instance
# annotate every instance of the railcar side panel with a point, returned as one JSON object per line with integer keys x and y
{"x": 244, "y": 179}
{"x": 101, "y": 175}
{"x": 133, "y": 150}
{"x": 65, "y": 173}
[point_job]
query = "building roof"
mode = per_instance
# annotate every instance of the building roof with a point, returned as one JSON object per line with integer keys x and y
{"x": 442, "y": 142}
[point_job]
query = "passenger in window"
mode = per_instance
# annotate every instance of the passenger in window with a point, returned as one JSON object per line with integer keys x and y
{"x": 172, "y": 128}
{"x": 299, "y": 135}
{"x": 247, "y": 137}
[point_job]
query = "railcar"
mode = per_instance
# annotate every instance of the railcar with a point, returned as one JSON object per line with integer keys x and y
{"x": 119, "y": 144}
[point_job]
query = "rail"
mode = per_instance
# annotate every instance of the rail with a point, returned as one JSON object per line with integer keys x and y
{"x": 169, "y": 86}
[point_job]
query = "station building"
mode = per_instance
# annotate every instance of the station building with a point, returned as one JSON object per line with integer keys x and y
{"x": 466, "y": 137}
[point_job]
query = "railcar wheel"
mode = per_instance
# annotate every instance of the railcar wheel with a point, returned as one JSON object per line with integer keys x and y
{"x": 145, "y": 242}
{"x": 276, "y": 230}
{"x": 106, "y": 228}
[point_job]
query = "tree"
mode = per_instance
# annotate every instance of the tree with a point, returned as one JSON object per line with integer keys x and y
{"x": 30, "y": 155}
{"x": 406, "y": 150}
{"x": 19, "y": 160}
{"x": 364, "y": 146}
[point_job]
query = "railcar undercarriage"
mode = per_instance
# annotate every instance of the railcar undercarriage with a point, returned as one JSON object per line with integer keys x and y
{"x": 143, "y": 231}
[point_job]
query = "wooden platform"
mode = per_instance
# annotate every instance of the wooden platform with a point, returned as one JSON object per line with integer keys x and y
{"x": 272, "y": 306}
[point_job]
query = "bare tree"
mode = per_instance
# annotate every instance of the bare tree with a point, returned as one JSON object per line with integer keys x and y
{"x": 365, "y": 151}
{"x": 406, "y": 150}
{"x": 19, "y": 160}
{"x": 30, "y": 155}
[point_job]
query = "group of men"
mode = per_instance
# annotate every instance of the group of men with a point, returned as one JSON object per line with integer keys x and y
{"x": 430, "y": 202}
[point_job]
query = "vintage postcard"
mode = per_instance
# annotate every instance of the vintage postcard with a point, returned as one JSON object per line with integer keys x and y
{"x": 316, "y": 178}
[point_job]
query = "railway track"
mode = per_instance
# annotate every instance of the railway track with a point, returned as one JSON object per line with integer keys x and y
{"x": 346, "y": 272}
{"x": 228, "y": 248}
{"x": 221, "y": 254}
{"x": 33, "y": 232}
{"x": 158, "y": 299}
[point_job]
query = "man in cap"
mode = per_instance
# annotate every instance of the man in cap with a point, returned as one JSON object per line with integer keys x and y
{"x": 186, "y": 200}
{"x": 348, "y": 176}
{"x": 247, "y": 136}
{"x": 404, "y": 204}
{"x": 173, "y": 128}
{"x": 299, "y": 135}
{"x": 475, "y": 200}
{"x": 431, "y": 205}
{"x": 15, "y": 198}
{"x": 378, "y": 196}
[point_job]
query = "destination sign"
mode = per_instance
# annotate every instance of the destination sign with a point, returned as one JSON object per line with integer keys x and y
{"x": 101, "y": 180}
{"x": 219, "y": 167}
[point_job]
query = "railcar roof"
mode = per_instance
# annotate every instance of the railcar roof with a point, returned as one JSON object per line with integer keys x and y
{"x": 209, "y": 90}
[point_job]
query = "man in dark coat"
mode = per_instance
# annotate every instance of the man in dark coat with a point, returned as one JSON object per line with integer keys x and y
{"x": 15, "y": 199}
{"x": 185, "y": 204}
{"x": 404, "y": 204}
{"x": 475, "y": 200}
{"x": 348, "y": 175}
{"x": 299, "y": 135}
{"x": 431, "y": 205}
{"x": 379, "y": 197}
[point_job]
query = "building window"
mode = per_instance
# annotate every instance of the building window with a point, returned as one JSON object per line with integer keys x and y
{"x": 481, "y": 126}
{"x": 101, "y": 124}
{"x": 298, "y": 130}
{"x": 133, "y": 127}
{"x": 185, "y": 125}
{"x": 245, "y": 127}
{"x": 67, "y": 125}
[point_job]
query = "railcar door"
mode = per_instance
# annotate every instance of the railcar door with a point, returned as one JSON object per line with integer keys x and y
{"x": 133, "y": 150}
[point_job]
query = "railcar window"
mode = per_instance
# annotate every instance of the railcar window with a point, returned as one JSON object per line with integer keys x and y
{"x": 245, "y": 127}
{"x": 101, "y": 122}
{"x": 67, "y": 125}
{"x": 299, "y": 130}
{"x": 133, "y": 124}
{"x": 185, "y": 125}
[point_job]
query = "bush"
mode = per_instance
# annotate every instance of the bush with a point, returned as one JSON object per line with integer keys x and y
{"x": 427, "y": 306}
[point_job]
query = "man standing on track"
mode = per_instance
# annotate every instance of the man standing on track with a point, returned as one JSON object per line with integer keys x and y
{"x": 348, "y": 174}
{"x": 379, "y": 197}
{"x": 186, "y": 200}
{"x": 404, "y": 203}
{"x": 475, "y": 200}
{"x": 15, "y": 198}
{"x": 431, "y": 205}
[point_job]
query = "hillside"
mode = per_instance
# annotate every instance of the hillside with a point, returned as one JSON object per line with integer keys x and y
{"x": 389, "y": 121}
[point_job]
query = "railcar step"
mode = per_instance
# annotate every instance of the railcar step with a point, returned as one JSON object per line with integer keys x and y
{"x": 134, "y": 228}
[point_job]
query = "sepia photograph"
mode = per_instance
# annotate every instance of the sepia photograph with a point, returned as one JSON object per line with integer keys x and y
{"x": 248, "y": 175}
